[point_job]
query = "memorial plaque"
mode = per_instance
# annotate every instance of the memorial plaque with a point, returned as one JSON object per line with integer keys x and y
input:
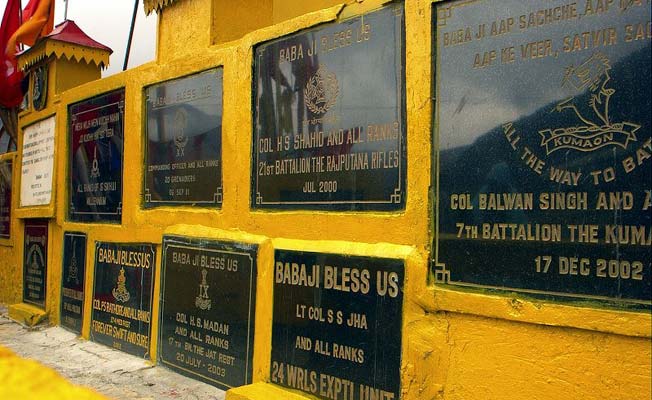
{"x": 336, "y": 329}
{"x": 35, "y": 262}
{"x": 122, "y": 296}
{"x": 72, "y": 280}
{"x": 96, "y": 156}
{"x": 6, "y": 173}
{"x": 184, "y": 141}
{"x": 543, "y": 125}
{"x": 207, "y": 310}
{"x": 37, "y": 163}
{"x": 329, "y": 118}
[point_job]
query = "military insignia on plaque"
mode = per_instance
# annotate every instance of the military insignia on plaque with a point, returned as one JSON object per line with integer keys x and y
{"x": 95, "y": 169}
{"x": 120, "y": 292}
{"x": 72, "y": 269}
{"x": 180, "y": 139}
{"x": 36, "y": 257}
{"x": 595, "y": 129}
{"x": 321, "y": 91}
{"x": 203, "y": 302}
{"x": 40, "y": 87}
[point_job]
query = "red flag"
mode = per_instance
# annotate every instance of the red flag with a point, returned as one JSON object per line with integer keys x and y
{"x": 10, "y": 77}
{"x": 38, "y": 20}
{"x": 46, "y": 11}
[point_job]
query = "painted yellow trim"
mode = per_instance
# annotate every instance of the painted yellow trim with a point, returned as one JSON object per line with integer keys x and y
{"x": 514, "y": 308}
{"x": 26, "y": 314}
{"x": 263, "y": 391}
{"x": 27, "y": 379}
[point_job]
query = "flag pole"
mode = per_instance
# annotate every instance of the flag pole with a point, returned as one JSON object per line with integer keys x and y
{"x": 65, "y": 11}
{"x": 131, "y": 35}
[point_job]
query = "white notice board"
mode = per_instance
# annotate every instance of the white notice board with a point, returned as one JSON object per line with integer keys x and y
{"x": 37, "y": 163}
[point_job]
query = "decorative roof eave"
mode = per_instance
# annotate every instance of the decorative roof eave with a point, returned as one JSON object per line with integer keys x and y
{"x": 158, "y": 5}
{"x": 59, "y": 49}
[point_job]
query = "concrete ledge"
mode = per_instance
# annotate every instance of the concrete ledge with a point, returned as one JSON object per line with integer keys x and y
{"x": 262, "y": 391}
{"x": 26, "y": 314}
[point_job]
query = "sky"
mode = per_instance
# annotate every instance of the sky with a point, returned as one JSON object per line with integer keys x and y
{"x": 108, "y": 23}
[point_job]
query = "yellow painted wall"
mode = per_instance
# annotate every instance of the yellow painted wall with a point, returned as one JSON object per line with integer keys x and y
{"x": 233, "y": 19}
{"x": 284, "y": 10}
{"x": 456, "y": 345}
{"x": 27, "y": 379}
{"x": 83, "y": 72}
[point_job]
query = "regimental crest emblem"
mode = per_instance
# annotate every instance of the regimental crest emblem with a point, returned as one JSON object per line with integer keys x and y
{"x": 180, "y": 138}
{"x": 120, "y": 292}
{"x": 36, "y": 258}
{"x": 72, "y": 269}
{"x": 95, "y": 168}
{"x": 595, "y": 129}
{"x": 202, "y": 301}
{"x": 322, "y": 91}
{"x": 40, "y": 87}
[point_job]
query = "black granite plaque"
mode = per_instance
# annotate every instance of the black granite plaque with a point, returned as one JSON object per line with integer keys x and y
{"x": 72, "y": 280}
{"x": 336, "y": 329}
{"x": 207, "y": 310}
{"x": 184, "y": 141}
{"x": 96, "y": 131}
{"x": 122, "y": 296}
{"x": 35, "y": 262}
{"x": 329, "y": 118}
{"x": 543, "y": 124}
{"x": 6, "y": 173}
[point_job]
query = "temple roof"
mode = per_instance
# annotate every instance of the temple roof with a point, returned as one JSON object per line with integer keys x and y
{"x": 69, "y": 41}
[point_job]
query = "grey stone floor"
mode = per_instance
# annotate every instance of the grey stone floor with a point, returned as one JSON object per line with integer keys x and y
{"x": 108, "y": 371}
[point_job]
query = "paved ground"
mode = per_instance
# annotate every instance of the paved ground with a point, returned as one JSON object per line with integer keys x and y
{"x": 108, "y": 371}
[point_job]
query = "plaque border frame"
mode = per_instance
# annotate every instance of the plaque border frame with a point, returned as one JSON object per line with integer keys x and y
{"x": 53, "y": 180}
{"x": 440, "y": 272}
{"x": 181, "y": 241}
{"x": 218, "y": 195}
{"x": 71, "y": 118}
{"x": 374, "y": 255}
{"x": 153, "y": 246}
{"x": 398, "y": 197}
{"x": 45, "y": 266}
{"x": 85, "y": 236}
